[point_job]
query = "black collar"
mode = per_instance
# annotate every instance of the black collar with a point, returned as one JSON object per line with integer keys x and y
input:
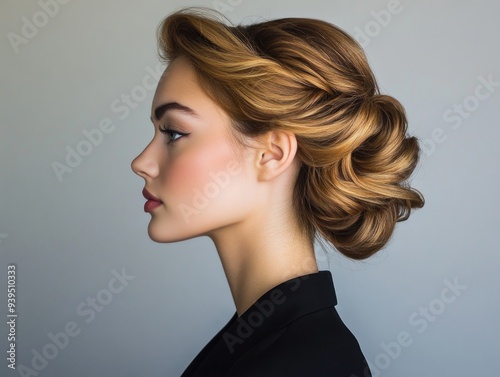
{"x": 272, "y": 311}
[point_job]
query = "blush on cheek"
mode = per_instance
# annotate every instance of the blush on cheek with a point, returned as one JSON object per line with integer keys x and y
{"x": 184, "y": 179}
{"x": 200, "y": 172}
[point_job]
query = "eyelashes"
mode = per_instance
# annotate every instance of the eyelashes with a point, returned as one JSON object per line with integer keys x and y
{"x": 171, "y": 134}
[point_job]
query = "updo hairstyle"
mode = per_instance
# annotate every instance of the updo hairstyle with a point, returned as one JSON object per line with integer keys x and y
{"x": 311, "y": 78}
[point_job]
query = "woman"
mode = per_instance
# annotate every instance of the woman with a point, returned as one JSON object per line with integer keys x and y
{"x": 267, "y": 137}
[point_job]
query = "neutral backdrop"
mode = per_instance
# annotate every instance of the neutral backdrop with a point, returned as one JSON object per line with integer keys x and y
{"x": 71, "y": 215}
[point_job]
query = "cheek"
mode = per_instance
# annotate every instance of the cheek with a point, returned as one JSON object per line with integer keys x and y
{"x": 199, "y": 170}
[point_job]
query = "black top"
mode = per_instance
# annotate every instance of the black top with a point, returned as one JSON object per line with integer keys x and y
{"x": 292, "y": 330}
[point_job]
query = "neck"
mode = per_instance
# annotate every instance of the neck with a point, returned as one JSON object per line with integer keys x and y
{"x": 259, "y": 254}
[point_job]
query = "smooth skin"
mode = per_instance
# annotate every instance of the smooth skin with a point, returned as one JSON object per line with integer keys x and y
{"x": 248, "y": 215}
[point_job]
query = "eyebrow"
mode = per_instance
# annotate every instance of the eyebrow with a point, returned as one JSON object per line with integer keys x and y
{"x": 160, "y": 111}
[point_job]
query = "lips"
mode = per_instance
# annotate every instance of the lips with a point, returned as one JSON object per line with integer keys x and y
{"x": 152, "y": 202}
{"x": 149, "y": 196}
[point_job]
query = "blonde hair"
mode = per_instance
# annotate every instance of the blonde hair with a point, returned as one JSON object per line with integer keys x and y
{"x": 311, "y": 78}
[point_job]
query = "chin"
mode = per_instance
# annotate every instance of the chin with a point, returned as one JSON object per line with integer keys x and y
{"x": 167, "y": 234}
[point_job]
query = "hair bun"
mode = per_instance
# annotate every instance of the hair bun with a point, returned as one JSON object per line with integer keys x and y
{"x": 357, "y": 201}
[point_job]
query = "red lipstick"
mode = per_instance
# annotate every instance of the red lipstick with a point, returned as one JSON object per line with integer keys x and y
{"x": 152, "y": 201}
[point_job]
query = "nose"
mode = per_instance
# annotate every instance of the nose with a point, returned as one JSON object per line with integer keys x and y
{"x": 145, "y": 165}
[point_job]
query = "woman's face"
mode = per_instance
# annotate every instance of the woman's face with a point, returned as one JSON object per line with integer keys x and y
{"x": 193, "y": 168}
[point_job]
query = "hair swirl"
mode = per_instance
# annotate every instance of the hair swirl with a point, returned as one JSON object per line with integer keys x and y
{"x": 311, "y": 78}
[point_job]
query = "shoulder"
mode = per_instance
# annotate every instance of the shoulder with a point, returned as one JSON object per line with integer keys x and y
{"x": 318, "y": 344}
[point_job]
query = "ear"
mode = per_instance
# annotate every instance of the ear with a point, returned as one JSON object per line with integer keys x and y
{"x": 275, "y": 153}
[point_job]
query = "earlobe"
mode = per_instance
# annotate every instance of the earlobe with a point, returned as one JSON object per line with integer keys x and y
{"x": 276, "y": 154}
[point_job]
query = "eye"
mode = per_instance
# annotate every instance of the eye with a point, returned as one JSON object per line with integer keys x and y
{"x": 171, "y": 134}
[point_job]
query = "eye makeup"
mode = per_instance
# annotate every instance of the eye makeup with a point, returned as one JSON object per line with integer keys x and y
{"x": 169, "y": 132}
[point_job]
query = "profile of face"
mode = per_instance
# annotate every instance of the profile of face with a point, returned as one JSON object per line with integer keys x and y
{"x": 199, "y": 179}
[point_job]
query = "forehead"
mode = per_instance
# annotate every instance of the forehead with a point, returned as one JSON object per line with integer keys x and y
{"x": 179, "y": 77}
{"x": 179, "y": 83}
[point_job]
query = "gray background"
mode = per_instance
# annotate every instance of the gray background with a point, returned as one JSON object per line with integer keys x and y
{"x": 67, "y": 235}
